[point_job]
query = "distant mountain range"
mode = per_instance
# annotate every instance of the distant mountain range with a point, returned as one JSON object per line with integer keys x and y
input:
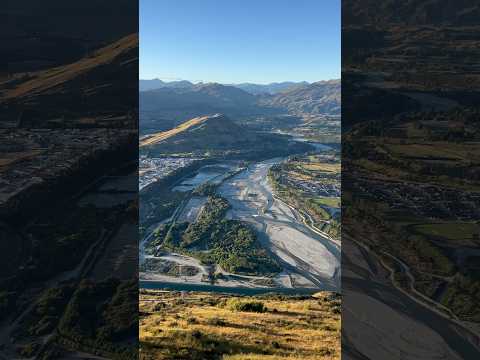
{"x": 322, "y": 97}
{"x": 272, "y": 88}
{"x": 254, "y": 89}
{"x": 166, "y": 107}
{"x": 146, "y": 85}
{"x": 208, "y": 98}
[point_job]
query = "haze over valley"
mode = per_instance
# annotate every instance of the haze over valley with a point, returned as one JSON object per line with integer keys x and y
{"x": 240, "y": 185}
{"x": 164, "y": 105}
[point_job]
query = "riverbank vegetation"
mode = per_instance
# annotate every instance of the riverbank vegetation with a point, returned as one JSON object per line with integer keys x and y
{"x": 100, "y": 318}
{"x": 311, "y": 183}
{"x": 215, "y": 240}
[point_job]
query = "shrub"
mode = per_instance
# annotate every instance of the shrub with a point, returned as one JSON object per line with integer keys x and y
{"x": 247, "y": 306}
{"x": 216, "y": 321}
{"x": 192, "y": 320}
{"x": 196, "y": 334}
{"x": 159, "y": 306}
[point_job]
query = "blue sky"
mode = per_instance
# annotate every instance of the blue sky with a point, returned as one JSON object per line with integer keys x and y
{"x": 234, "y": 41}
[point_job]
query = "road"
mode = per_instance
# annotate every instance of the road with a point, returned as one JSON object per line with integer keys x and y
{"x": 384, "y": 322}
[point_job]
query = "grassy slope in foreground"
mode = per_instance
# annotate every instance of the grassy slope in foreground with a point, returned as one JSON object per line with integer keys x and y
{"x": 218, "y": 326}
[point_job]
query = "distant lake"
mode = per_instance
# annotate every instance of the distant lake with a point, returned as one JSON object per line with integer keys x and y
{"x": 318, "y": 146}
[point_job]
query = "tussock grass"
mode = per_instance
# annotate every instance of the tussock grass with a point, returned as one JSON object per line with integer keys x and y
{"x": 304, "y": 327}
{"x": 248, "y": 306}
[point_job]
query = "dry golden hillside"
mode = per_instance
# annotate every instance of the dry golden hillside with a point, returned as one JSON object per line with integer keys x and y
{"x": 47, "y": 79}
{"x": 160, "y": 136}
{"x": 94, "y": 91}
{"x": 215, "y": 326}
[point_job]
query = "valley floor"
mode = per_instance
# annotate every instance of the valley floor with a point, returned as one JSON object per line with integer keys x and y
{"x": 309, "y": 259}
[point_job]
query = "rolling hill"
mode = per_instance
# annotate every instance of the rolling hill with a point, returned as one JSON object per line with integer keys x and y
{"x": 82, "y": 93}
{"x": 217, "y": 135}
{"x": 217, "y": 129}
